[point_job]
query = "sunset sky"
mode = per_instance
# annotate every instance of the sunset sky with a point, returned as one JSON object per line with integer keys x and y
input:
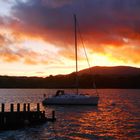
{"x": 37, "y": 36}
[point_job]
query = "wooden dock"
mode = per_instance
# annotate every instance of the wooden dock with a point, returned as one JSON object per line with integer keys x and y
{"x": 18, "y": 119}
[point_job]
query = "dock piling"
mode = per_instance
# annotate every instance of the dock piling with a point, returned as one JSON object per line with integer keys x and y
{"x": 24, "y": 107}
{"x": 12, "y": 107}
{"x": 2, "y": 107}
{"x": 18, "y": 107}
{"x": 28, "y": 107}
{"x": 38, "y": 107}
{"x": 53, "y": 115}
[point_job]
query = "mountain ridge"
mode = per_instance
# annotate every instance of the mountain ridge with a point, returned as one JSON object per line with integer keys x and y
{"x": 111, "y": 70}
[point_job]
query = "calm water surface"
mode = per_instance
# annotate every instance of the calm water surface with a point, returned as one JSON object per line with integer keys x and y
{"x": 117, "y": 116}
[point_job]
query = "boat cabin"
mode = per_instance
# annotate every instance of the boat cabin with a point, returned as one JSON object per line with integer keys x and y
{"x": 59, "y": 92}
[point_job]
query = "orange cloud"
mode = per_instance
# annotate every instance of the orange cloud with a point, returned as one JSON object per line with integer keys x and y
{"x": 30, "y": 61}
{"x": 10, "y": 57}
{"x": 2, "y": 40}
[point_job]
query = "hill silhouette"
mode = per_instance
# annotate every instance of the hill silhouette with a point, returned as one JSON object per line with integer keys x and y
{"x": 117, "y": 70}
{"x": 104, "y": 77}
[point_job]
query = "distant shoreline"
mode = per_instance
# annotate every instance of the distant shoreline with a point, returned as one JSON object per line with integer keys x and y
{"x": 119, "y": 77}
{"x": 67, "y": 82}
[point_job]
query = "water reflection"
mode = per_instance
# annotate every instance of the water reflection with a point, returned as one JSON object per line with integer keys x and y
{"x": 116, "y": 117}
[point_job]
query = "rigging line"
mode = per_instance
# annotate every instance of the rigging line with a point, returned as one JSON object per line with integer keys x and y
{"x": 81, "y": 38}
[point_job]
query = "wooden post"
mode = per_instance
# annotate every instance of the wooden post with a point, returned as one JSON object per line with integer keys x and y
{"x": 12, "y": 108}
{"x": 24, "y": 107}
{"x": 53, "y": 115}
{"x": 28, "y": 107}
{"x": 2, "y": 107}
{"x": 44, "y": 114}
{"x": 38, "y": 107}
{"x": 18, "y": 107}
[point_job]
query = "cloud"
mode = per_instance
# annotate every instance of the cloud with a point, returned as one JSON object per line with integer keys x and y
{"x": 8, "y": 55}
{"x": 22, "y": 55}
{"x": 102, "y": 23}
{"x": 56, "y": 3}
{"x": 2, "y": 41}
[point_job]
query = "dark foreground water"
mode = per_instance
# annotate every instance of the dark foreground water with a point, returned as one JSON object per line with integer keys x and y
{"x": 116, "y": 117}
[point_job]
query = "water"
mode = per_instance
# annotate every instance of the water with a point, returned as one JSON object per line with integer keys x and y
{"x": 117, "y": 116}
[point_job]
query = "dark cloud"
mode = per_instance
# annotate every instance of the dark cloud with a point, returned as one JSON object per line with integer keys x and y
{"x": 101, "y": 21}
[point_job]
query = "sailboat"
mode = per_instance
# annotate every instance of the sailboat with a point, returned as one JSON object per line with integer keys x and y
{"x": 62, "y": 98}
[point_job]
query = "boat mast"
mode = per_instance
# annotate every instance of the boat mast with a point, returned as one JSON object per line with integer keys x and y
{"x": 76, "y": 57}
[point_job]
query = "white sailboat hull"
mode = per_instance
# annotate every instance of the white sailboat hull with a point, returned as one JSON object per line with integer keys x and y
{"x": 72, "y": 100}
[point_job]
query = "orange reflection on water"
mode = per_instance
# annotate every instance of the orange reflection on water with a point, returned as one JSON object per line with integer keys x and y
{"x": 105, "y": 121}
